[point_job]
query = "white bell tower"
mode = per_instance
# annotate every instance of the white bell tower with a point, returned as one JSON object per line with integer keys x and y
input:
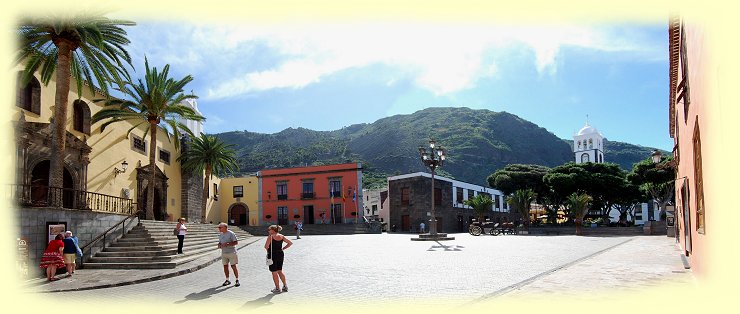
{"x": 588, "y": 145}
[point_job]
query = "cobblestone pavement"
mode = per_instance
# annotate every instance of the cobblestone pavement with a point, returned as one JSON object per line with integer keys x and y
{"x": 365, "y": 272}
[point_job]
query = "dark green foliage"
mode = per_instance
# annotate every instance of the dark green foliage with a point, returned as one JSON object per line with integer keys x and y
{"x": 519, "y": 177}
{"x": 479, "y": 142}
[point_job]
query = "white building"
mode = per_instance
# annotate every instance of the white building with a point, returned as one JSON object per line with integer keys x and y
{"x": 588, "y": 145}
{"x": 375, "y": 204}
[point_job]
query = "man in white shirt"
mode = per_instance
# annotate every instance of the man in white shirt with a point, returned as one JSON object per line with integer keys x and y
{"x": 421, "y": 227}
{"x": 227, "y": 243}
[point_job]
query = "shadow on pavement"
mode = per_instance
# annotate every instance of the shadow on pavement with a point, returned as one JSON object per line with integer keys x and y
{"x": 256, "y": 303}
{"x": 205, "y": 294}
{"x": 442, "y": 247}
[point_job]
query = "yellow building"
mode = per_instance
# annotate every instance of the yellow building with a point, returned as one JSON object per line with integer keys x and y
{"x": 106, "y": 165}
{"x": 238, "y": 201}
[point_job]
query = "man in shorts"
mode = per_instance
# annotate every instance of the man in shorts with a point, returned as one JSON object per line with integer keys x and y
{"x": 227, "y": 243}
{"x": 71, "y": 251}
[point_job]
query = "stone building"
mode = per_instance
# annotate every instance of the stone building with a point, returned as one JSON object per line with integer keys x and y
{"x": 410, "y": 202}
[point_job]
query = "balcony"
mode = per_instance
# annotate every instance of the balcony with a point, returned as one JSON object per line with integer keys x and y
{"x": 44, "y": 196}
{"x": 282, "y": 197}
{"x": 307, "y": 195}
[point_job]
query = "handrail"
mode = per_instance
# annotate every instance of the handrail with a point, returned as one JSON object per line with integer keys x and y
{"x": 45, "y": 196}
{"x": 102, "y": 236}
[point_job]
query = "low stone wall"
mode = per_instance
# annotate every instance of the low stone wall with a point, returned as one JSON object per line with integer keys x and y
{"x": 84, "y": 224}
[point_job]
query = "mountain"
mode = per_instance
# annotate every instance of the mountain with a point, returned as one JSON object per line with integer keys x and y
{"x": 478, "y": 142}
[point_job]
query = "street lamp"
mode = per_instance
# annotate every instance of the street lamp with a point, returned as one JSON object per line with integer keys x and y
{"x": 433, "y": 159}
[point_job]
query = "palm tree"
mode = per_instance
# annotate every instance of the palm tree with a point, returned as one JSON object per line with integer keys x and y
{"x": 521, "y": 200}
{"x": 578, "y": 204}
{"x": 88, "y": 48}
{"x": 480, "y": 203}
{"x": 208, "y": 154}
{"x": 156, "y": 99}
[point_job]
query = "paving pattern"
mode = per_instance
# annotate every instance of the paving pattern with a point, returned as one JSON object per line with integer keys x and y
{"x": 368, "y": 272}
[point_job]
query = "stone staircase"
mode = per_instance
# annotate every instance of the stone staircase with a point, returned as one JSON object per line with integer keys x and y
{"x": 151, "y": 245}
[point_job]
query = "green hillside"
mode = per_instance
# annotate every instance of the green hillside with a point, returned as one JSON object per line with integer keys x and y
{"x": 478, "y": 142}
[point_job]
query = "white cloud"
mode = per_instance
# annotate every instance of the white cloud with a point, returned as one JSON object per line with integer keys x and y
{"x": 442, "y": 58}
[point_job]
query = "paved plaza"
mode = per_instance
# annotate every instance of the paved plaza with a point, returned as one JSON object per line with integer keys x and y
{"x": 365, "y": 272}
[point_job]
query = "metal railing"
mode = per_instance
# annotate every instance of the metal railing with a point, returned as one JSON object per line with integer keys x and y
{"x": 87, "y": 249}
{"x": 44, "y": 196}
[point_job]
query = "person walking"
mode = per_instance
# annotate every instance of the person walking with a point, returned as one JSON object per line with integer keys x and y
{"x": 71, "y": 251}
{"x": 421, "y": 227}
{"x": 227, "y": 243}
{"x": 298, "y": 228}
{"x": 181, "y": 231}
{"x": 274, "y": 247}
{"x": 52, "y": 258}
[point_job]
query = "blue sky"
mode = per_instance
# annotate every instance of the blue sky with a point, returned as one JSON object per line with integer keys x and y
{"x": 323, "y": 76}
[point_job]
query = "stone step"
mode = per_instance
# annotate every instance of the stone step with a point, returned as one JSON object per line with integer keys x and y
{"x": 151, "y": 245}
{"x": 145, "y": 265}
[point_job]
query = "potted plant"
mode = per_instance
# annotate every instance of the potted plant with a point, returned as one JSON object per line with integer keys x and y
{"x": 354, "y": 214}
{"x": 296, "y": 216}
{"x": 267, "y": 217}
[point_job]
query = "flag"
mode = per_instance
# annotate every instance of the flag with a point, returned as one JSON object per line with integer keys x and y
{"x": 354, "y": 196}
{"x": 331, "y": 194}
{"x": 344, "y": 197}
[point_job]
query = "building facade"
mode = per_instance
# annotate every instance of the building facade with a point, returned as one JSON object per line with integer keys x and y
{"x": 588, "y": 145}
{"x": 690, "y": 98}
{"x": 237, "y": 201}
{"x": 410, "y": 201}
{"x": 330, "y": 194}
{"x": 375, "y": 204}
{"x": 106, "y": 170}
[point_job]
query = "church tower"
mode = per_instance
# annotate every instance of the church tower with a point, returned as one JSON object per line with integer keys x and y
{"x": 588, "y": 145}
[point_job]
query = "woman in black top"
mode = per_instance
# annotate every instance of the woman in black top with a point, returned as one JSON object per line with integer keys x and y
{"x": 274, "y": 247}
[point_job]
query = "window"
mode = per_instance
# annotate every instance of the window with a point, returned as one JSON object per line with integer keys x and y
{"x": 81, "y": 118}
{"x": 336, "y": 213}
{"x": 307, "y": 190}
{"x": 239, "y": 191}
{"x": 590, "y": 143}
{"x": 683, "y": 87}
{"x": 375, "y": 209}
{"x": 404, "y": 196}
{"x": 496, "y": 201}
{"x": 282, "y": 215}
{"x": 471, "y": 194}
{"x": 282, "y": 190}
{"x": 437, "y": 196}
{"x": 584, "y": 158}
{"x": 698, "y": 181}
{"x": 28, "y": 96}
{"x": 138, "y": 144}
{"x": 215, "y": 192}
{"x": 459, "y": 195}
{"x": 335, "y": 188}
{"x": 164, "y": 156}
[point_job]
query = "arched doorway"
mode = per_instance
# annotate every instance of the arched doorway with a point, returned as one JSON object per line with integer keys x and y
{"x": 239, "y": 215}
{"x": 160, "y": 213}
{"x": 40, "y": 193}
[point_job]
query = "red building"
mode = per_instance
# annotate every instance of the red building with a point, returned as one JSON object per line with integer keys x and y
{"x": 328, "y": 194}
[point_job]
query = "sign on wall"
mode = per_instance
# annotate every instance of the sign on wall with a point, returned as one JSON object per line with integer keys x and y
{"x": 55, "y": 228}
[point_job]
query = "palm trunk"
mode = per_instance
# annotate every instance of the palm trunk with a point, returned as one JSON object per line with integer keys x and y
{"x": 56, "y": 167}
{"x": 206, "y": 188}
{"x": 152, "y": 169}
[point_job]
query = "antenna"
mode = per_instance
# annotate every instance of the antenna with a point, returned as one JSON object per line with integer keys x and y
{"x": 586, "y": 119}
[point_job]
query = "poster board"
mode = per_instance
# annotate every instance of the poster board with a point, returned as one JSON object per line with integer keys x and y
{"x": 54, "y": 228}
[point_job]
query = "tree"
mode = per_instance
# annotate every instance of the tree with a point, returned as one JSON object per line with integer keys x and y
{"x": 480, "y": 204}
{"x": 631, "y": 195}
{"x": 521, "y": 201}
{"x": 517, "y": 177}
{"x": 208, "y": 154}
{"x": 601, "y": 181}
{"x": 88, "y": 48}
{"x": 157, "y": 99}
{"x": 657, "y": 180}
{"x": 578, "y": 203}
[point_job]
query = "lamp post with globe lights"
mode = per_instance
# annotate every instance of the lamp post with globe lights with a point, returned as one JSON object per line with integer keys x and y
{"x": 433, "y": 159}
